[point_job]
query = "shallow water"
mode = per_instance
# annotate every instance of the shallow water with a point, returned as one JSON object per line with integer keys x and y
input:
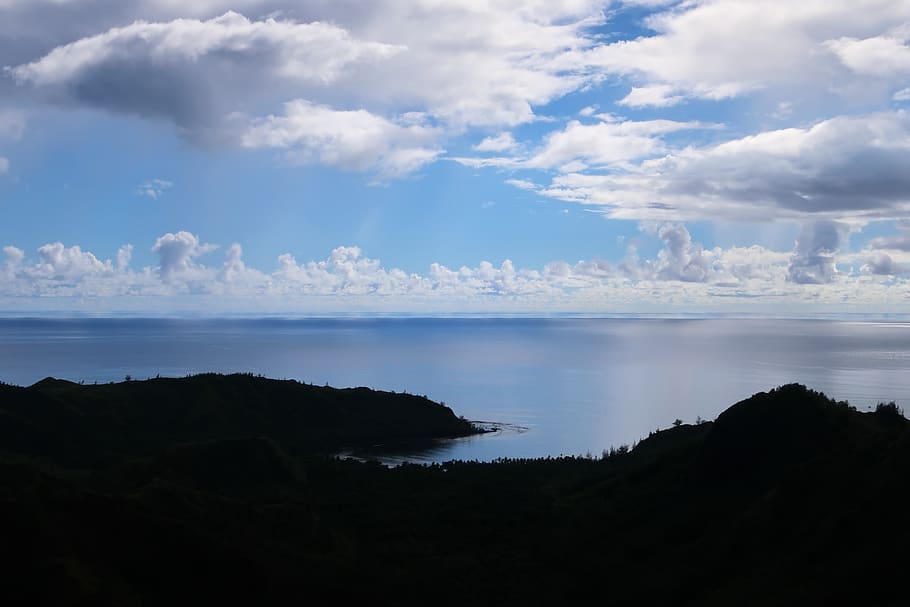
{"x": 572, "y": 386}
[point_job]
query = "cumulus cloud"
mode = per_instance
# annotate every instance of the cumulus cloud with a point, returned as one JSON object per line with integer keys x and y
{"x": 681, "y": 258}
{"x": 183, "y": 69}
{"x": 883, "y": 264}
{"x": 60, "y": 262}
{"x": 683, "y": 273}
{"x": 877, "y": 56}
{"x": 813, "y": 262}
{"x": 206, "y": 71}
{"x": 347, "y": 139}
{"x": 177, "y": 252}
{"x": 308, "y": 52}
{"x": 845, "y": 168}
{"x": 721, "y": 49}
{"x": 124, "y": 256}
{"x": 12, "y": 257}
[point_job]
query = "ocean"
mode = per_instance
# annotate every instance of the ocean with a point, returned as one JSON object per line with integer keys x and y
{"x": 560, "y": 386}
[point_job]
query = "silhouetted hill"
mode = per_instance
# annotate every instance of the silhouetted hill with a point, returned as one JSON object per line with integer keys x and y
{"x": 757, "y": 441}
{"x": 93, "y": 425}
{"x": 788, "y": 498}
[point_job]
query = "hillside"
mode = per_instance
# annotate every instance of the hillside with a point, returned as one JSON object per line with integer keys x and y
{"x": 96, "y": 425}
{"x": 788, "y": 498}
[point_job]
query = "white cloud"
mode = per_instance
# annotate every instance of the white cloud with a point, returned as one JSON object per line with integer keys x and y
{"x": 154, "y": 189}
{"x": 463, "y": 64}
{"x": 658, "y": 95}
{"x": 124, "y": 255}
{"x": 12, "y": 257}
{"x": 605, "y": 143}
{"x": 683, "y": 274}
{"x": 902, "y": 95}
{"x": 882, "y": 56}
{"x": 716, "y": 49}
{"x": 503, "y": 142}
{"x": 849, "y": 169}
{"x": 66, "y": 263}
{"x": 176, "y": 254}
{"x": 522, "y": 184}
{"x": 884, "y": 265}
{"x": 183, "y": 69}
{"x": 348, "y": 139}
{"x": 813, "y": 262}
{"x": 578, "y": 146}
{"x": 4, "y": 165}
{"x": 681, "y": 259}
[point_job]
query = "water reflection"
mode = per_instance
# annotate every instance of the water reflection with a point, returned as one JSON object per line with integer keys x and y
{"x": 577, "y": 385}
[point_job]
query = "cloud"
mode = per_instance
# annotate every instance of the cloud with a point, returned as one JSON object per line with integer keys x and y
{"x": 347, "y": 139}
{"x": 902, "y": 95}
{"x": 882, "y": 56}
{"x": 184, "y": 69}
{"x": 578, "y": 146}
{"x": 4, "y": 165}
{"x": 682, "y": 275}
{"x": 606, "y": 143}
{"x": 522, "y": 184}
{"x": 883, "y": 264}
{"x": 813, "y": 261}
{"x": 176, "y": 254}
{"x": 12, "y": 257}
{"x": 898, "y": 242}
{"x": 658, "y": 95}
{"x": 60, "y": 262}
{"x": 124, "y": 255}
{"x": 681, "y": 258}
{"x": 154, "y": 189}
{"x": 848, "y": 168}
{"x": 207, "y": 72}
{"x": 503, "y": 142}
{"x": 720, "y": 49}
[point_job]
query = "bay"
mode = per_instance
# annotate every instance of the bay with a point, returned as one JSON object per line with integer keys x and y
{"x": 559, "y": 385}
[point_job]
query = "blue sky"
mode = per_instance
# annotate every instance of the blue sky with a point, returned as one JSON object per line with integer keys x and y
{"x": 453, "y": 156}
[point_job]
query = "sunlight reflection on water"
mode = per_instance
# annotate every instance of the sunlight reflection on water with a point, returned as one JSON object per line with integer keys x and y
{"x": 577, "y": 385}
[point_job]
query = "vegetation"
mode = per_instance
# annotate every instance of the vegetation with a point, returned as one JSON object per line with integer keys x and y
{"x": 787, "y": 498}
{"x": 94, "y": 426}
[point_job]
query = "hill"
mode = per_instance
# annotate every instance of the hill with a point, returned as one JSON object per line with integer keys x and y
{"x": 96, "y": 425}
{"x": 788, "y": 498}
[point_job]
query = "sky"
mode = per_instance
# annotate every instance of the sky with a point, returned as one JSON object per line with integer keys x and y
{"x": 455, "y": 156}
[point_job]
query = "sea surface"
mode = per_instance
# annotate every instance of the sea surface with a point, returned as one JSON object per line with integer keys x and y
{"x": 568, "y": 386}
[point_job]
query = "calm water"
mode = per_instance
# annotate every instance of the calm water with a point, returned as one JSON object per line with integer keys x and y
{"x": 576, "y": 385}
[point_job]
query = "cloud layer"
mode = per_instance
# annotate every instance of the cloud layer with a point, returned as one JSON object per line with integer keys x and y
{"x": 683, "y": 275}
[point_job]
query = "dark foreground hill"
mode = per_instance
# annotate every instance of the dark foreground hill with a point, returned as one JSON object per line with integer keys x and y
{"x": 787, "y": 498}
{"x": 94, "y": 425}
